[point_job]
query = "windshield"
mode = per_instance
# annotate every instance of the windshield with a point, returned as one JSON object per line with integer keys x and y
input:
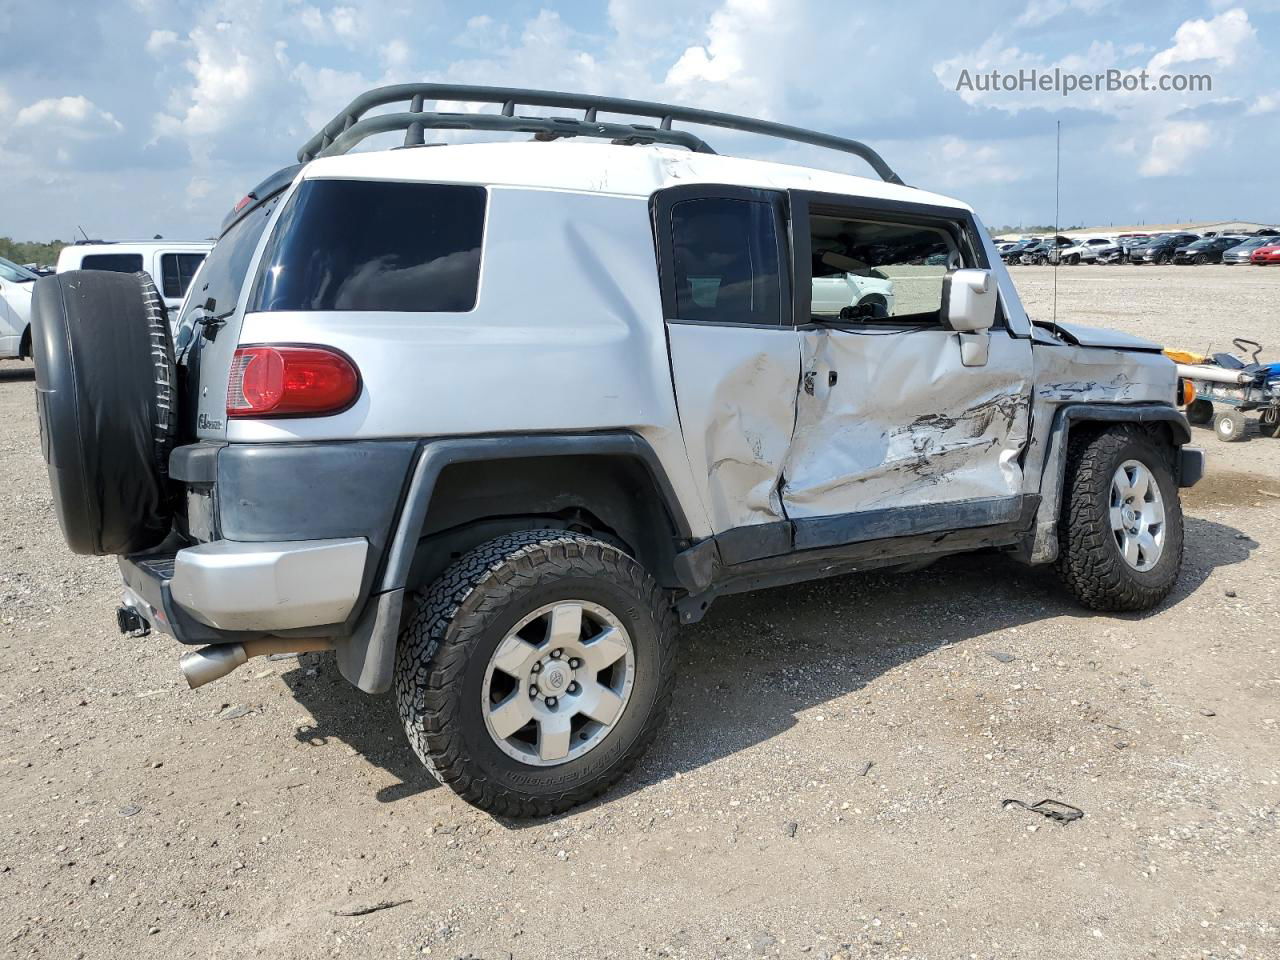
{"x": 14, "y": 273}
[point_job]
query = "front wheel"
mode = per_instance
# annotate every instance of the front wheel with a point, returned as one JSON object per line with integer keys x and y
{"x": 1121, "y": 525}
{"x": 536, "y": 671}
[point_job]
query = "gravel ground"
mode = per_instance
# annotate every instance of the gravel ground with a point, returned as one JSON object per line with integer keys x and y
{"x": 829, "y": 785}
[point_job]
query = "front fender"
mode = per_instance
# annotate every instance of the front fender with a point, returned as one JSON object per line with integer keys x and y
{"x": 1044, "y": 547}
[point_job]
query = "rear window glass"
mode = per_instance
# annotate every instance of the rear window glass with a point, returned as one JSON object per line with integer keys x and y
{"x": 222, "y": 276}
{"x": 726, "y": 261}
{"x": 370, "y": 245}
{"x": 115, "y": 262}
{"x": 176, "y": 271}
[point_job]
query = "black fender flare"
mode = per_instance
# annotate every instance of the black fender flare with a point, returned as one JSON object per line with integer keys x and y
{"x": 1044, "y": 548}
{"x": 367, "y": 658}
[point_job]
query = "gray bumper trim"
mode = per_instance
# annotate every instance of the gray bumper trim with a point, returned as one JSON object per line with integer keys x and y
{"x": 283, "y": 585}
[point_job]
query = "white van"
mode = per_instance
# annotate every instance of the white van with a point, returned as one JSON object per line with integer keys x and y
{"x": 171, "y": 263}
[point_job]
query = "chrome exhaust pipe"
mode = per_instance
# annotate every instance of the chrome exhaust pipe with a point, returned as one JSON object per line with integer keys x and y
{"x": 217, "y": 660}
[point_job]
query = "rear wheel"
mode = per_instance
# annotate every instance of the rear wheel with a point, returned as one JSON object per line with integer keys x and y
{"x": 535, "y": 671}
{"x": 1230, "y": 426}
{"x": 1121, "y": 526}
{"x": 1199, "y": 411}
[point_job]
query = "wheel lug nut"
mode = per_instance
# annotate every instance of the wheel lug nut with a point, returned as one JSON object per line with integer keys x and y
{"x": 573, "y": 688}
{"x": 556, "y": 654}
{"x": 575, "y": 662}
{"x": 533, "y": 693}
{"x": 551, "y": 702}
{"x": 537, "y": 668}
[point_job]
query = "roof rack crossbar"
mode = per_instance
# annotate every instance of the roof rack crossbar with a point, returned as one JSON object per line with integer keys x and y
{"x": 351, "y": 126}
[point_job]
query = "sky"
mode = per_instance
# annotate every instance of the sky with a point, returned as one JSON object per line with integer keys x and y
{"x": 130, "y": 118}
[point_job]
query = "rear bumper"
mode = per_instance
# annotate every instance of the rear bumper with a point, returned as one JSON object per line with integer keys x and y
{"x": 198, "y": 593}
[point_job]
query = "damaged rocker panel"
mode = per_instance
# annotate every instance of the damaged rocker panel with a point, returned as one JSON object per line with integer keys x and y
{"x": 919, "y": 532}
{"x": 792, "y": 550}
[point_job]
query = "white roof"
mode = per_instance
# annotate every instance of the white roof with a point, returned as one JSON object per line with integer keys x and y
{"x": 133, "y": 246}
{"x": 593, "y": 167}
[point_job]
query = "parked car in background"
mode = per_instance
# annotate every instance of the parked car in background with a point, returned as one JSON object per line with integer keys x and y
{"x": 1013, "y": 252}
{"x": 1205, "y": 250}
{"x": 1045, "y": 250}
{"x": 1270, "y": 253}
{"x": 1161, "y": 248}
{"x": 15, "y": 310}
{"x": 1088, "y": 250}
{"x": 1242, "y": 251}
{"x": 171, "y": 263}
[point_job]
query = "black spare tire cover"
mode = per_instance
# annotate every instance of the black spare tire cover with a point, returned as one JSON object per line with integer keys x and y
{"x": 105, "y": 396}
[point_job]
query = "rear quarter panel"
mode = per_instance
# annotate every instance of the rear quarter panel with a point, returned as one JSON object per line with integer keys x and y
{"x": 566, "y": 335}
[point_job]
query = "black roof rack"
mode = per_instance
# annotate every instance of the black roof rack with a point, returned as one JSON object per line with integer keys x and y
{"x": 351, "y": 126}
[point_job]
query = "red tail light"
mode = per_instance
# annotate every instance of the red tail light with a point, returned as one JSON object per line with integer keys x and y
{"x": 290, "y": 381}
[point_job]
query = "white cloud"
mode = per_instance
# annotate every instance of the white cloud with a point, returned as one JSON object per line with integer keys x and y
{"x": 75, "y": 117}
{"x": 1264, "y": 103}
{"x": 735, "y": 68}
{"x": 1172, "y": 146}
{"x": 395, "y": 54}
{"x": 1222, "y": 40}
{"x": 161, "y": 40}
{"x": 1041, "y": 11}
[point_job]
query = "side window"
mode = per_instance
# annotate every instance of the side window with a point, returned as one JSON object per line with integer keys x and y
{"x": 375, "y": 246}
{"x": 725, "y": 261}
{"x": 869, "y": 270}
{"x": 115, "y": 262}
{"x": 176, "y": 271}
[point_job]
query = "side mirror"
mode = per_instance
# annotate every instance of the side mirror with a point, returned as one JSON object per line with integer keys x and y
{"x": 969, "y": 300}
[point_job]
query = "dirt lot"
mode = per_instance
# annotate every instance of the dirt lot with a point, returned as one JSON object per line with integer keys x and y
{"x": 830, "y": 783}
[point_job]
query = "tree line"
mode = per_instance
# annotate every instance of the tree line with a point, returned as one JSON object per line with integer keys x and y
{"x": 44, "y": 254}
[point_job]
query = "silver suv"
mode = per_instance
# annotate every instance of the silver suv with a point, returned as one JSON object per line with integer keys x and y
{"x": 490, "y": 420}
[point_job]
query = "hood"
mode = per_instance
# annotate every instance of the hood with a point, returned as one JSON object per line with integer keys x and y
{"x": 1082, "y": 336}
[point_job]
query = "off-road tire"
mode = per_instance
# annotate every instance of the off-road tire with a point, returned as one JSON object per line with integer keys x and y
{"x": 458, "y": 622}
{"x": 106, "y": 402}
{"x": 1199, "y": 411}
{"x": 1230, "y": 426}
{"x": 1089, "y": 560}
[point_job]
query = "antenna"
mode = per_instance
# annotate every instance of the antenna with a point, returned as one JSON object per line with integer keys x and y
{"x": 1057, "y": 181}
{"x": 82, "y": 233}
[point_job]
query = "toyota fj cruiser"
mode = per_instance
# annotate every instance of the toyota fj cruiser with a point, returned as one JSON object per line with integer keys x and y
{"x": 488, "y": 420}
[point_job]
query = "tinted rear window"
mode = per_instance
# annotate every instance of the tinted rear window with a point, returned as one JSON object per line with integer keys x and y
{"x": 369, "y": 245}
{"x": 726, "y": 261}
{"x": 222, "y": 276}
{"x": 176, "y": 270}
{"x": 115, "y": 262}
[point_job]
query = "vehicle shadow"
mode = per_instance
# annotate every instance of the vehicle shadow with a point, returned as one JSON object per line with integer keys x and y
{"x": 16, "y": 372}
{"x": 368, "y": 724}
{"x": 757, "y": 660}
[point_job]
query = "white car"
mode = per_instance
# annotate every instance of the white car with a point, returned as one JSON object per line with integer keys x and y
{"x": 854, "y": 285}
{"x": 15, "y": 310}
{"x": 1088, "y": 251}
{"x": 171, "y": 263}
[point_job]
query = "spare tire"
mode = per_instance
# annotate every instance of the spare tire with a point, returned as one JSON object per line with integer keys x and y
{"x": 106, "y": 397}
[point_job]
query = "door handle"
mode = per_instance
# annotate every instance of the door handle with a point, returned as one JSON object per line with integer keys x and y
{"x": 832, "y": 377}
